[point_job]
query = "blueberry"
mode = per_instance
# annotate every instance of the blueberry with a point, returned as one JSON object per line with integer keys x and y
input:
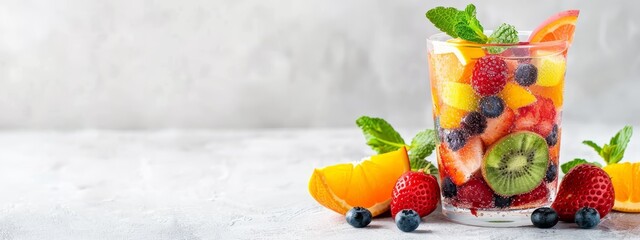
{"x": 359, "y": 217}
{"x": 502, "y": 202}
{"x": 474, "y": 123}
{"x": 526, "y": 74}
{"x": 552, "y": 173}
{"x": 587, "y": 218}
{"x": 456, "y": 139}
{"x": 407, "y": 220}
{"x": 491, "y": 106}
{"x": 544, "y": 217}
{"x": 449, "y": 189}
{"x": 552, "y": 139}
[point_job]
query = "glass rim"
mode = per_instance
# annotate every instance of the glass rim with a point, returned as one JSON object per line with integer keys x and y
{"x": 439, "y": 37}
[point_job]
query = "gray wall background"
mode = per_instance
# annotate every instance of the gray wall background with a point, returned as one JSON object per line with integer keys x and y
{"x": 279, "y": 63}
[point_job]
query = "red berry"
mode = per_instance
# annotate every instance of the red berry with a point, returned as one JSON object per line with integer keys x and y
{"x": 534, "y": 198}
{"x": 489, "y": 75}
{"x": 476, "y": 194}
{"x": 538, "y": 117}
{"x": 584, "y": 186}
{"x": 417, "y": 191}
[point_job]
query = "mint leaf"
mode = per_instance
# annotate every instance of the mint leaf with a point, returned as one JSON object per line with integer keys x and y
{"x": 619, "y": 144}
{"x": 593, "y": 145}
{"x": 380, "y": 135}
{"x": 444, "y": 19}
{"x": 575, "y": 162}
{"x": 504, "y": 34}
{"x": 468, "y": 26}
{"x": 428, "y": 167}
{"x": 422, "y": 146}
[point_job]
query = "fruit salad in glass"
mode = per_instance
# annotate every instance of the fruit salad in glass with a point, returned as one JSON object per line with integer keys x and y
{"x": 497, "y": 105}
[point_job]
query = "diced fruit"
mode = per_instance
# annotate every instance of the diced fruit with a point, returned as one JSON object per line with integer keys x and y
{"x": 448, "y": 69}
{"x": 551, "y": 70}
{"x": 367, "y": 184}
{"x": 587, "y": 218}
{"x": 544, "y": 217}
{"x": 558, "y": 27}
{"x": 516, "y": 164}
{"x": 526, "y": 74}
{"x": 554, "y": 93}
{"x": 498, "y": 127}
{"x": 534, "y": 198}
{"x": 552, "y": 173}
{"x": 491, "y": 106}
{"x": 475, "y": 194}
{"x": 451, "y": 117}
{"x": 552, "y": 138}
{"x": 539, "y": 117}
{"x": 626, "y": 184}
{"x": 489, "y": 75}
{"x": 449, "y": 189}
{"x": 462, "y": 164}
{"x": 474, "y": 123}
{"x": 465, "y": 51}
{"x": 415, "y": 190}
{"x": 502, "y": 202}
{"x": 516, "y": 96}
{"x": 358, "y": 217}
{"x": 585, "y": 185}
{"x": 407, "y": 220}
{"x": 456, "y": 139}
{"x": 458, "y": 95}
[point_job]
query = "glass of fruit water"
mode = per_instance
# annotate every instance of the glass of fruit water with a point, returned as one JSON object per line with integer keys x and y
{"x": 497, "y": 110}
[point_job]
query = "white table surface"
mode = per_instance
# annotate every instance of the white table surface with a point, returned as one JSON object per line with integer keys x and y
{"x": 245, "y": 184}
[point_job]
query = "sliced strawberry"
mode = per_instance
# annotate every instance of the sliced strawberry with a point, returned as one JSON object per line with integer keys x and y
{"x": 475, "y": 194}
{"x": 532, "y": 199}
{"x": 538, "y": 117}
{"x": 498, "y": 127}
{"x": 584, "y": 186}
{"x": 460, "y": 165}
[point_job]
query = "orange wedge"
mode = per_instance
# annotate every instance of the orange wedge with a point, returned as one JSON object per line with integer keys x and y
{"x": 558, "y": 27}
{"x": 367, "y": 184}
{"x": 626, "y": 185}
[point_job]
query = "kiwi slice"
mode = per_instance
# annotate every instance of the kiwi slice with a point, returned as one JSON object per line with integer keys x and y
{"x": 516, "y": 164}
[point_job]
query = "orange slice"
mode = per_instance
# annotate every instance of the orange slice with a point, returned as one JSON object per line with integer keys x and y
{"x": 367, "y": 184}
{"x": 516, "y": 96}
{"x": 626, "y": 185}
{"x": 558, "y": 27}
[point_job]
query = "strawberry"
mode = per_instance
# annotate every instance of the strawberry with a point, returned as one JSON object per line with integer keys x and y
{"x": 417, "y": 191}
{"x": 498, "y": 127}
{"x": 460, "y": 165}
{"x": 475, "y": 193}
{"x": 584, "y": 186}
{"x": 538, "y": 117}
{"x": 533, "y": 198}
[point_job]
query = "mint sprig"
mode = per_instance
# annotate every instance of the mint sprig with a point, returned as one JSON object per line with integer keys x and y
{"x": 611, "y": 153}
{"x": 383, "y": 138}
{"x": 465, "y": 25}
{"x": 504, "y": 34}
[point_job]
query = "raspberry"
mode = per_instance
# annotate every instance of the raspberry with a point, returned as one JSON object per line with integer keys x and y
{"x": 489, "y": 75}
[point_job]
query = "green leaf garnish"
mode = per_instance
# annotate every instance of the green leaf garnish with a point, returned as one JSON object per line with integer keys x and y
{"x": 380, "y": 135}
{"x": 382, "y": 138}
{"x": 575, "y": 162}
{"x": 504, "y": 34}
{"x": 422, "y": 146}
{"x": 444, "y": 19}
{"x": 613, "y": 152}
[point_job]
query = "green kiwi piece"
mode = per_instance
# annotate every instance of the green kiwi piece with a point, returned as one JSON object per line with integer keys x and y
{"x": 516, "y": 164}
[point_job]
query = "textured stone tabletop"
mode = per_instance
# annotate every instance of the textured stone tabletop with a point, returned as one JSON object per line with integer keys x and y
{"x": 174, "y": 184}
